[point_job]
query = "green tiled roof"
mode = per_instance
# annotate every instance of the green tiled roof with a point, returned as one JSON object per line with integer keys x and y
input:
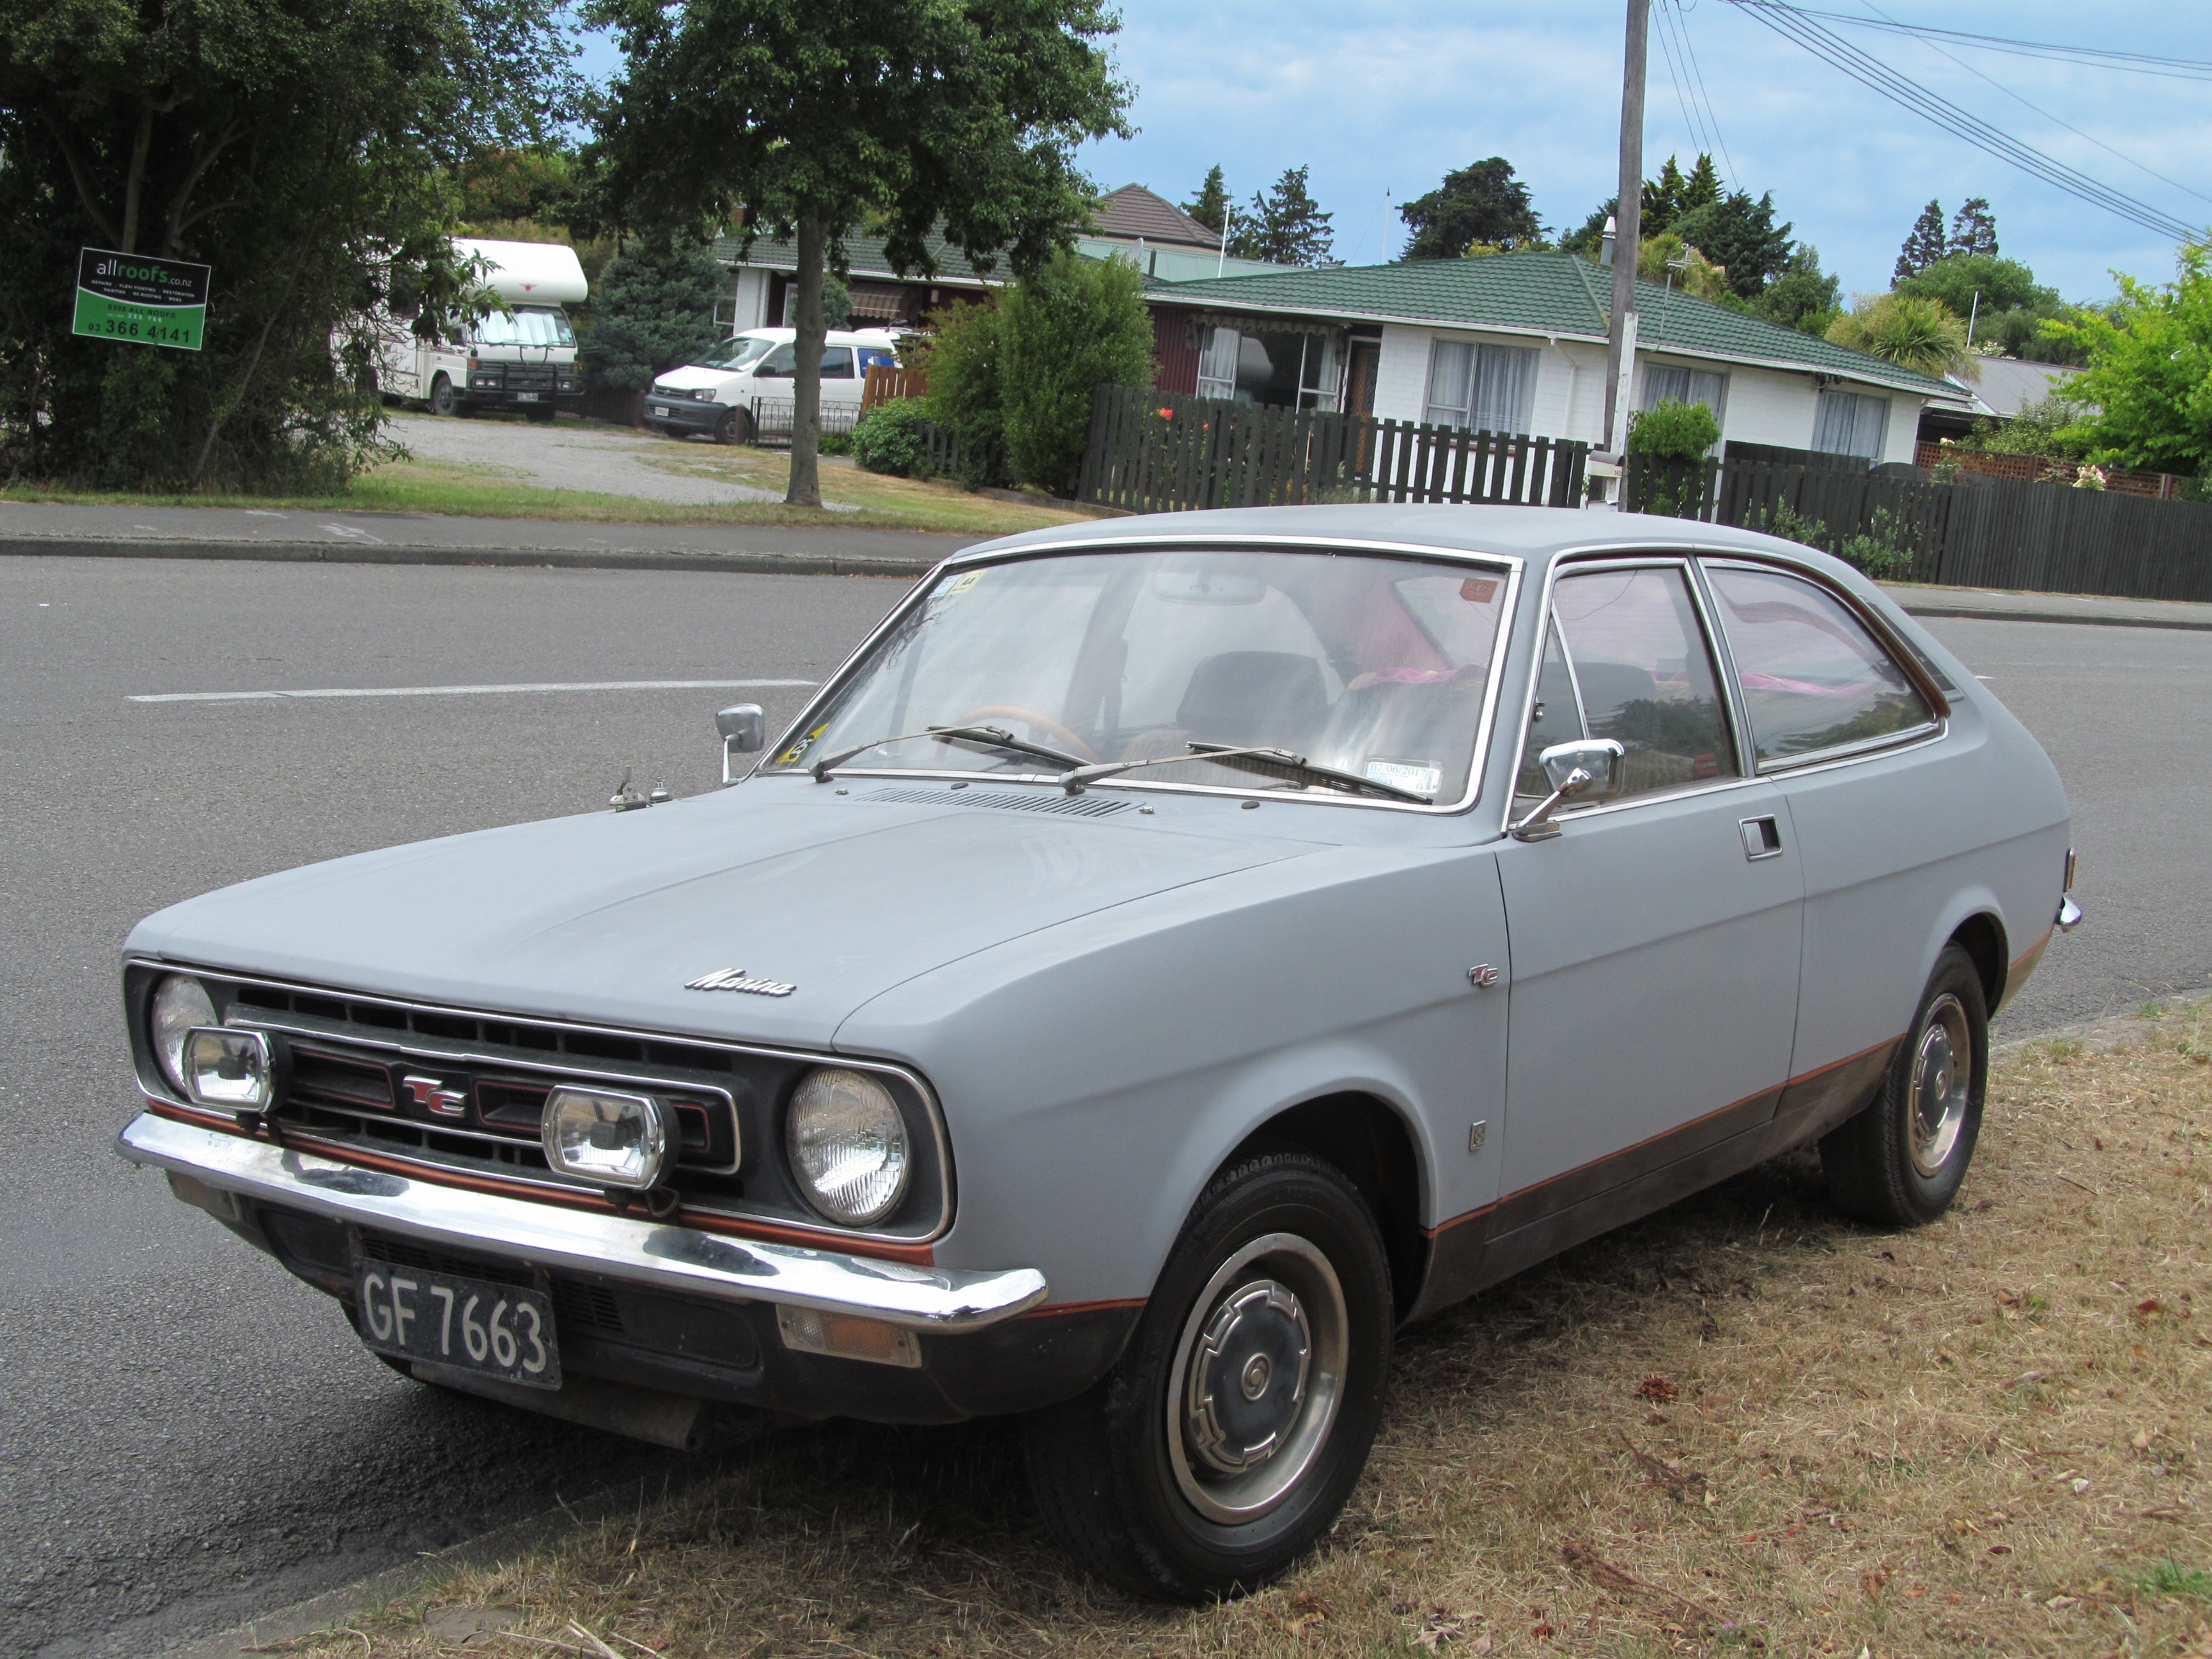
{"x": 1539, "y": 292}
{"x": 864, "y": 256}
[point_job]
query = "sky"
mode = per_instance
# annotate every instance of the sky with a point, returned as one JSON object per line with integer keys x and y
{"x": 1388, "y": 95}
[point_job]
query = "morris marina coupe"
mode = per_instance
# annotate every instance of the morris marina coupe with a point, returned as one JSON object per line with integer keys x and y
{"x": 1167, "y": 957}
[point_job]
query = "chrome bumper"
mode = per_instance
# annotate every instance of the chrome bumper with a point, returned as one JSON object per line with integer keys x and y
{"x": 942, "y": 1299}
{"x": 2070, "y": 915}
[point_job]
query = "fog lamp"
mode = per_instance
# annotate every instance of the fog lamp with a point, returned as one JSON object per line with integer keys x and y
{"x": 609, "y": 1139}
{"x": 229, "y": 1070}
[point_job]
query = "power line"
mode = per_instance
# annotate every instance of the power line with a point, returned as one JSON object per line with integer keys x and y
{"x": 2133, "y": 62}
{"x": 1682, "y": 25}
{"x": 1803, "y": 30}
{"x": 1675, "y": 74}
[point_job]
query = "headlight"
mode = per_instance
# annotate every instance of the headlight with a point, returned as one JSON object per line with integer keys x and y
{"x": 180, "y": 1002}
{"x": 848, "y": 1146}
{"x": 607, "y": 1138}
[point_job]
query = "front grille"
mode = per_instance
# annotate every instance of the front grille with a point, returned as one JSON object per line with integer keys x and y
{"x": 1004, "y": 800}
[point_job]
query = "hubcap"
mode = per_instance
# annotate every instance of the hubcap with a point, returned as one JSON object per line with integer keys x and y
{"x": 1942, "y": 1084}
{"x": 1256, "y": 1379}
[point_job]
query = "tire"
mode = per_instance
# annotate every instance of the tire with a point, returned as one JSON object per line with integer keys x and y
{"x": 1899, "y": 1163}
{"x": 734, "y": 428}
{"x": 443, "y": 398}
{"x": 1146, "y": 1480}
{"x": 544, "y": 414}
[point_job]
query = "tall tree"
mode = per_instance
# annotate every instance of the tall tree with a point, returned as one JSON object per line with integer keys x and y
{"x": 655, "y": 309}
{"x": 1674, "y": 193}
{"x": 1924, "y": 245}
{"x": 1740, "y": 234}
{"x": 958, "y": 115}
{"x": 1974, "y": 229}
{"x": 1482, "y": 202}
{"x": 1211, "y": 207}
{"x": 302, "y": 148}
{"x": 1801, "y": 296}
{"x": 2145, "y": 398}
{"x": 1285, "y": 226}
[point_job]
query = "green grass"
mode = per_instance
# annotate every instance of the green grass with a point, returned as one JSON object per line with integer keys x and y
{"x": 2172, "y": 1579}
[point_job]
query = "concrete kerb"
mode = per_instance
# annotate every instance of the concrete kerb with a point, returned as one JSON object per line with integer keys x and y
{"x": 759, "y": 564}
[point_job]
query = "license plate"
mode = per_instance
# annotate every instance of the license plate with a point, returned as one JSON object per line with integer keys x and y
{"x": 661, "y": 409}
{"x": 525, "y": 396}
{"x": 470, "y": 1324}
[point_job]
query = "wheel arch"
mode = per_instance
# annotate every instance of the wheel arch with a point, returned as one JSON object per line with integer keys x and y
{"x": 1981, "y": 935}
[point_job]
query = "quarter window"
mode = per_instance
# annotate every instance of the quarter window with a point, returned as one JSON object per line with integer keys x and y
{"x": 1627, "y": 659}
{"x": 1812, "y": 677}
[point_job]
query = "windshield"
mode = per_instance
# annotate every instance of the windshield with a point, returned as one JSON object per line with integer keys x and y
{"x": 525, "y": 325}
{"x": 734, "y": 353}
{"x": 1371, "y": 666}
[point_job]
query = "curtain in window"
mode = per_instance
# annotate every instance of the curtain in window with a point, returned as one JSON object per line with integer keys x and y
{"x": 1485, "y": 387}
{"x": 1217, "y": 363}
{"x": 1663, "y": 382}
{"x": 1450, "y": 370}
{"x": 1846, "y": 423}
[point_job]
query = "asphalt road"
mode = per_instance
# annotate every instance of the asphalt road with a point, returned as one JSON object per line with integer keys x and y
{"x": 187, "y": 1436}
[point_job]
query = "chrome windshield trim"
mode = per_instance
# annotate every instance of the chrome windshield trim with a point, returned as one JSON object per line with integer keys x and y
{"x": 642, "y": 1252}
{"x": 1512, "y": 566}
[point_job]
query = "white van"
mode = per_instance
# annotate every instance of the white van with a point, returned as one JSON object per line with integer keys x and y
{"x": 523, "y": 357}
{"x": 722, "y": 392}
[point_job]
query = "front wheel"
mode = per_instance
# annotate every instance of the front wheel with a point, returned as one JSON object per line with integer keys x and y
{"x": 1222, "y": 1447}
{"x": 444, "y": 400}
{"x": 734, "y": 428}
{"x": 1898, "y": 1164}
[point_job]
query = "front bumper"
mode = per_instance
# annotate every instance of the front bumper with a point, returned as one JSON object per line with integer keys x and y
{"x": 683, "y": 414}
{"x": 942, "y": 1300}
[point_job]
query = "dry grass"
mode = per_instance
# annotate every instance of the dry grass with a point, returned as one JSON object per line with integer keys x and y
{"x": 1739, "y": 1426}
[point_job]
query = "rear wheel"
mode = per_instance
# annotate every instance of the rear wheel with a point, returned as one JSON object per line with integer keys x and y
{"x": 1899, "y": 1163}
{"x": 1224, "y": 1445}
{"x": 541, "y": 413}
{"x": 444, "y": 400}
{"x": 735, "y": 427}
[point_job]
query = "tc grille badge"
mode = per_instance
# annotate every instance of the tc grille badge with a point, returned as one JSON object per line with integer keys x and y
{"x": 734, "y": 978}
{"x": 432, "y": 1093}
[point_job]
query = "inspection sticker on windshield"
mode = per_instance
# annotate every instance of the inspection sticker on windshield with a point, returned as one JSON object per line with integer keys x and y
{"x": 964, "y": 581}
{"x": 1421, "y": 779}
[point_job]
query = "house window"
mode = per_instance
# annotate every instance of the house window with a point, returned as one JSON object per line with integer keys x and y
{"x": 1848, "y": 423}
{"x": 1670, "y": 383}
{"x": 1271, "y": 369}
{"x": 1488, "y": 388}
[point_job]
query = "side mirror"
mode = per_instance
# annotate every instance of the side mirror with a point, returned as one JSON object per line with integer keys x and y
{"x": 1590, "y": 769}
{"x": 741, "y": 727}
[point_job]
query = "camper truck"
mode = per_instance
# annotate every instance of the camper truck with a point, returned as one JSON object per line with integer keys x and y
{"x": 522, "y": 356}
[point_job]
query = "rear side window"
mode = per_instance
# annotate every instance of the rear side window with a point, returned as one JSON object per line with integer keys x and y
{"x": 1814, "y": 678}
{"x": 1627, "y": 659}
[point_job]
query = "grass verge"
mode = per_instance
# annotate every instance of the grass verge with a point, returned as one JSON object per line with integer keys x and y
{"x": 1742, "y": 1426}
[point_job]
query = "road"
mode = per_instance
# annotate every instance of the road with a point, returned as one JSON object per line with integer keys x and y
{"x": 187, "y": 1436}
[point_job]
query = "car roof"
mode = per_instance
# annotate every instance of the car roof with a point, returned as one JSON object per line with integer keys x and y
{"x": 1536, "y": 534}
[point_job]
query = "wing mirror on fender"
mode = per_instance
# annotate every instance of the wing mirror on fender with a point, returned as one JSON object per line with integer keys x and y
{"x": 1583, "y": 771}
{"x": 740, "y": 725}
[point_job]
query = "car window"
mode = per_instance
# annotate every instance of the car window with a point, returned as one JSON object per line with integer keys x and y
{"x": 878, "y": 357}
{"x": 1626, "y": 659}
{"x": 837, "y": 363}
{"x": 1813, "y": 676}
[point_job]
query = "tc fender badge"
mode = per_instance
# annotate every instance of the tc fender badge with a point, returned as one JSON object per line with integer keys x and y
{"x": 734, "y": 978}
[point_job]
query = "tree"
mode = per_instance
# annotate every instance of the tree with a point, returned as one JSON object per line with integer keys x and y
{"x": 1802, "y": 297}
{"x": 1669, "y": 261}
{"x": 1671, "y": 195}
{"x": 1924, "y": 245}
{"x": 1741, "y": 236}
{"x": 538, "y": 184}
{"x": 301, "y": 149}
{"x": 1482, "y": 202}
{"x": 2003, "y": 284}
{"x": 1211, "y": 207}
{"x": 1588, "y": 239}
{"x": 960, "y": 356}
{"x": 1904, "y": 329}
{"x": 655, "y": 308}
{"x": 958, "y": 115}
{"x": 1974, "y": 229}
{"x": 2145, "y": 398}
{"x": 1064, "y": 331}
{"x": 1285, "y": 226}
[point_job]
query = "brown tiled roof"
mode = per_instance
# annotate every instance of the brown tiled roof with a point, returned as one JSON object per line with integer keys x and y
{"x": 1133, "y": 211}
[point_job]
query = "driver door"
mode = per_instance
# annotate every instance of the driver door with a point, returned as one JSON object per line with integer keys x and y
{"x": 1655, "y": 939}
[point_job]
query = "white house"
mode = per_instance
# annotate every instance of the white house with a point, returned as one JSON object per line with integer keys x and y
{"x": 1515, "y": 343}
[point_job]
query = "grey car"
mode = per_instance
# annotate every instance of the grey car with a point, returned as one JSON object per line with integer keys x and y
{"x": 1168, "y": 957}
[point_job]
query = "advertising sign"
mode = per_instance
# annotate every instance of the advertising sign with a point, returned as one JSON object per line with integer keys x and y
{"x": 131, "y": 296}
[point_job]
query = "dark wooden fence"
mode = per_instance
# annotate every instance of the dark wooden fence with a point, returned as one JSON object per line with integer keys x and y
{"x": 1977, "y": 531}
{"x": 1155, "y": 452}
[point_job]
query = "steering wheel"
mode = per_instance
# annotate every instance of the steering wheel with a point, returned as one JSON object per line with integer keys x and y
{"x": 1053, "y": 729}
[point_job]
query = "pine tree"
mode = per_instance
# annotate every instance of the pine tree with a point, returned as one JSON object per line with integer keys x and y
{"x": 1663, "y": 199}
{"x": 1211, "y": 207}
{"x": 1741, "y": 236}
{"x": 1702, "y": 187}
{"x": 1925, "y": 245}
{"x": 1974, "y": 228}
{"x": 1285, "y": 227}
{"x": 1480, "y": 203}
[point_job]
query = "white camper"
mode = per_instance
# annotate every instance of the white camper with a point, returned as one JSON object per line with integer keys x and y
{"x": 523, "y": 357}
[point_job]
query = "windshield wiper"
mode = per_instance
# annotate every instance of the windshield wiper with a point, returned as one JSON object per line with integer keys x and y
{"x": 994, "y": 736}
{"x": 1267, "y": 761}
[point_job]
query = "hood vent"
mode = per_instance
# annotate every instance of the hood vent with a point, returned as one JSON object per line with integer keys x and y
{"x": 1004, "y": 800}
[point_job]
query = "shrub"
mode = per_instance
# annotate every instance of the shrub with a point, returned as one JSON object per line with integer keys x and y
{"x": 889, "y": 439}
{"x": 1675, "y": 431}
{"x": 1911, "y": 330}
{"x": 656, "y": 310}
{"x": 1068, "y": 329}
{"x": 1885, "y": 549}
{"x": 960, "y": 355}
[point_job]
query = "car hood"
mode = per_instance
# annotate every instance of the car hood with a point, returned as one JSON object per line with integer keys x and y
{"x": 605, "y": 918}
{"x": 692, "y": 374}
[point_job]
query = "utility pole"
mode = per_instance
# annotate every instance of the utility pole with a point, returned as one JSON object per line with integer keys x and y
{"x": 1620, "y": 333}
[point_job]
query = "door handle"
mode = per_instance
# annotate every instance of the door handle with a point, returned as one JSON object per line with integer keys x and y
{"x": 1762, "y": 838}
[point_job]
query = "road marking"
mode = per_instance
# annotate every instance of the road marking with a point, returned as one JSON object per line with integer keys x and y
{"x": 462, "y": 690}
{"x": 358, "y": 535}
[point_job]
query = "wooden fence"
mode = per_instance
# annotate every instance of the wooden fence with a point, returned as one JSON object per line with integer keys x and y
{"x": 887, "y": 382}
{"x": 1977, "y": 531}
{"x": 2035, "y": 469}
{"x": 1155, "y": 452}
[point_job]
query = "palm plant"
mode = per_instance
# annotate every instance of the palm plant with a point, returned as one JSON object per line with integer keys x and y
{"x": 1910, "y": 329}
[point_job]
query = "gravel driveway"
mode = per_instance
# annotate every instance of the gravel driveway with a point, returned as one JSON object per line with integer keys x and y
{"x": 570, "y": 458}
